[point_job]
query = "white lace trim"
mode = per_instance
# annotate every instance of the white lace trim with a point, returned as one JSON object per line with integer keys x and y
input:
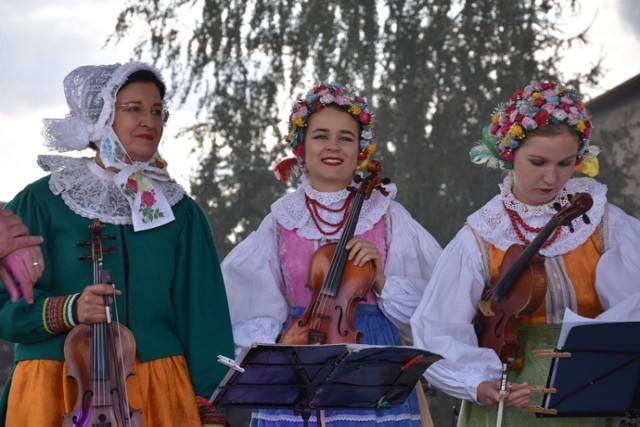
{"x": 90, "y": 191}
{"x": 493, "y": 224}
{"x": 291, "y": 212}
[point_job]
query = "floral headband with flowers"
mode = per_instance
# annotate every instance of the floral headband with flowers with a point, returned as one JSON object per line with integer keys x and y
{"x": 304, "y": 108}
{"x": 538, "y": 104}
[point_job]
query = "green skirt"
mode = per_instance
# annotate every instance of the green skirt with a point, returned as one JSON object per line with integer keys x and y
{"x": 535, "y": 372}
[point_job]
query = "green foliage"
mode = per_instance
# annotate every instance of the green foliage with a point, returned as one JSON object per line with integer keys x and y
{"x": 434, "y": 70}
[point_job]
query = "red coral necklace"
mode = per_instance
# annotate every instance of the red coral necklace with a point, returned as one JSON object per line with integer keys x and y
{"x": 314, "y": 207}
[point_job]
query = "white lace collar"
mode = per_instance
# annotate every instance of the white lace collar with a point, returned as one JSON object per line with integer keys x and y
{"x": 291, "y": 212}
{"x": 493, "y": 224}
{"x": 89, "y": 190}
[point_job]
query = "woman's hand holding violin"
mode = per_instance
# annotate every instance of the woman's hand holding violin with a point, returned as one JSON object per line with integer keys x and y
{"x": 91, "y": 304}
{"x": 517, "y": 394}
{"x": 362, "y": 251}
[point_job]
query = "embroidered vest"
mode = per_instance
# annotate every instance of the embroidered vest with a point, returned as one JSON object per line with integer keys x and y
{"x": 570, "y": 279}
{"x": 295, "y": 255}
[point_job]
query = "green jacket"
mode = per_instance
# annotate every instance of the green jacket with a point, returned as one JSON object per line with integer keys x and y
{"x": 173, "y": 297}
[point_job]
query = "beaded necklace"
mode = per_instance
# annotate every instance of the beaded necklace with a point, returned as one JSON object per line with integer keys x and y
{"x": 313, "y": 206}
{"x": 517, "y": 222}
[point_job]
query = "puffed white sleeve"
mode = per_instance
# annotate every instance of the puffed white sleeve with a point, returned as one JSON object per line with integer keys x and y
{"x": 619, "y": 268}
{"x": 411, "y": 256}
{"x": 252, "y": 280}
{"x": 443, "y": 321}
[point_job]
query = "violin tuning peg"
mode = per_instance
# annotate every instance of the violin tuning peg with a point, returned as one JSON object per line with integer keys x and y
{"x": 110, "y": 236}
{"x": 571, "y": 229}
{"x": 569, "y": 197}
{"x": 557, "y": 206}
{"x": 357, "y": 179}
{"x": 84, "y": 257}
{"x": 82, "y": 243}
{"x": 586, "y": 219}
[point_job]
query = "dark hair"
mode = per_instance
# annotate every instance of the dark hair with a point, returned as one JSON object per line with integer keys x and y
{"x": 145, "y": 76}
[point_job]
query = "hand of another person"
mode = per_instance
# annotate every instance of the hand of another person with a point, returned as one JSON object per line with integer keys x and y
{"x": 362, "y": 251}
{"x": 517, "y": 394}
{"x": 91, "y": 306}
{"x": 20, "y": 270}
{"x": 14, "y": 234}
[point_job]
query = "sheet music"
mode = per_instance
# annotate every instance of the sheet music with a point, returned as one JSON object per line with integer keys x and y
{"x": 570, "y": 320}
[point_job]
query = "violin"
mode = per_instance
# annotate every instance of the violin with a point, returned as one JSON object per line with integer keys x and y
{"x": 100, "y": 357}
{"x": 521, "y": 287}
{"x": 337, "y": 285}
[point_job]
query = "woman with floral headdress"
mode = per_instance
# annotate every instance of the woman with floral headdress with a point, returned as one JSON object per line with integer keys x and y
{"x": 161, "y": 255}
{"x": 330, "y": 131}
{"x": 541, "y": 136}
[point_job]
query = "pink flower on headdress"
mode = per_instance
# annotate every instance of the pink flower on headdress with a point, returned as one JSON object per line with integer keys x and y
{"x": 528, "y": 123}
{"x": 341, "y": 100}
{"x": 566, "y": 100}
{"x": 301, "y": 112}
{"x": 365, "y": 118}
{"x": 549, "y": 108}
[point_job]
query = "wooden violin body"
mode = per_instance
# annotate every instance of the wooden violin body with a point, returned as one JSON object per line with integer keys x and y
{"x": 501, "y": 319}
{"x": 337, "y": 285}
{"x": 520, "y": 289}
{"x": 329, "y": 318}
{"x": 95, "y": 367}
{"x": 99, "y": 358}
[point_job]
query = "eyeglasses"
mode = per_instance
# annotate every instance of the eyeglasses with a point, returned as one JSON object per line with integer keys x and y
{"x": 134, "y": 110}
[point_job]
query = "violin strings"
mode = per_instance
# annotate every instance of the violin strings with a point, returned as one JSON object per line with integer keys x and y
{"x": 124, "y": 396}
{"x": 332, "y": 274}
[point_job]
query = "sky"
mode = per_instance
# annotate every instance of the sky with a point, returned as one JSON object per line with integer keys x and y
{"x": 41, "y": 41}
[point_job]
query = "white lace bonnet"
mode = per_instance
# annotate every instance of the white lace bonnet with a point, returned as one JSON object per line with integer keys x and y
{"x": 90, "y": 92}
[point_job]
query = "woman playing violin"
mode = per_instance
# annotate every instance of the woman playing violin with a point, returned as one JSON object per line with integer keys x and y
{"x": 330, "y": 131}
{"x": 541, "y": 136}
{"x": 158, "y": 248}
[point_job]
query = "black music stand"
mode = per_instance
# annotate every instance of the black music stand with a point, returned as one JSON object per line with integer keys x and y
{"x": 313, "y": 377}
{"x": 601, "y": 377}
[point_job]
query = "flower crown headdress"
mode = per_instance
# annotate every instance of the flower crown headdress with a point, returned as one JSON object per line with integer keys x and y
{"x": 538, "y": 104}
{"x": 315, "y": 100}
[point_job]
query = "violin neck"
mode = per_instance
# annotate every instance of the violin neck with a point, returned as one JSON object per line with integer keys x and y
{"x": 336, "y": 268}
{"x": 502, "y": 288}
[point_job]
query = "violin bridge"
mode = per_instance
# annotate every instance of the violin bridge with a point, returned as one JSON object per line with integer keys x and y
{"x": 485, "y": 309}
